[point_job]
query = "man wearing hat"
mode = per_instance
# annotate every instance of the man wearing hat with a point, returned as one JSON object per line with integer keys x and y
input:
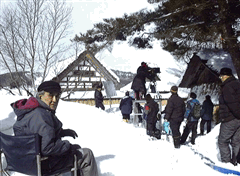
{"x": 37, "y": 116}
{"x": 229, "y": 112}
{"x": 174, "y": 113}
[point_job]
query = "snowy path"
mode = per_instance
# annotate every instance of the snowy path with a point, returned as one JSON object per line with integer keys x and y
{"x": 124, "y": 150}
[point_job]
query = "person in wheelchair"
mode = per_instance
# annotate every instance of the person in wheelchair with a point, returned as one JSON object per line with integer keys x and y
{"x": 37, "y": 115}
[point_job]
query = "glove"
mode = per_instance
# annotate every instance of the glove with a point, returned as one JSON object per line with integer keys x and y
{"x": 68, "y": 132}
{"x": 74, "y": 150}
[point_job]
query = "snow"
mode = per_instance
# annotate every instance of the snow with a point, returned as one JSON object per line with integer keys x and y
{"x": 124, "y": 149}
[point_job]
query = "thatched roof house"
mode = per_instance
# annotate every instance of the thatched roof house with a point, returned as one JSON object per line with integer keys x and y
{"x": 14, "y": 79}
{"x": 84, "y": 74}
{"x": 198, "y": 73}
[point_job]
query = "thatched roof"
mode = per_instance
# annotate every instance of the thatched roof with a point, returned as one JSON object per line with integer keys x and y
{"x": 14, "y": 79}
{"x": 89, "y": 57}
{"x": 199, "y": 73}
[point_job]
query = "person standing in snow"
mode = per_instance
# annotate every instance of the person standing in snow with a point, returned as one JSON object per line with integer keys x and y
{"x": 206, "y": 114}
{"x": 174, "y": 113}
{"x": 37, "y": 116}
{"x": 229, "y": 114}
{"x": 99, "y": 98}
{"x": 151, "y": 110}
{"x": 126, "y": 106}
{"x": 192, "y": 123}
{"x": 138, "y": 84}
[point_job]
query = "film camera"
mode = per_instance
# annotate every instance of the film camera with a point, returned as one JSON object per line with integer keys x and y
{"x": 153, "y": 72}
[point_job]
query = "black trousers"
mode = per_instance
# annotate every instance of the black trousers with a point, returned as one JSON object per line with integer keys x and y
{"x": 175, "y": 126}
{"x": 209, "y": 125}
{"x": 100, "y": 105}
{"x": 190, "y": 127}
{"x": 126, "y": 116}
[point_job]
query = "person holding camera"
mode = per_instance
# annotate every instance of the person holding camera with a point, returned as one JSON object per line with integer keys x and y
{"x": 139, "y": 81}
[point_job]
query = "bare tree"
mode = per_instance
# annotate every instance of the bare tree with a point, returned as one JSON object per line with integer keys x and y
{"x": 33, "y": 36}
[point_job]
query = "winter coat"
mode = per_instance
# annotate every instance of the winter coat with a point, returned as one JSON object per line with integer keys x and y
{"x": 98, "y": 98}
{"x": 207, "y": 110}
{"x": 138, "y": 84}
{"x": 190, "y": 104}
{"x": 175, "y": 108}
{"x": 229, "y": 100}
{"x": 151, "y": 110}
{"x": 35, "y": 117}
{"x": 126, "y": 105}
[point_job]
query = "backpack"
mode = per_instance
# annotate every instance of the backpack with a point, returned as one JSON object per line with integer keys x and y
{"x": 196, "y": 111}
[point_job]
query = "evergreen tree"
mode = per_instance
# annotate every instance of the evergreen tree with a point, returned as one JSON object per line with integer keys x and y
{"x": 184, "y": 27}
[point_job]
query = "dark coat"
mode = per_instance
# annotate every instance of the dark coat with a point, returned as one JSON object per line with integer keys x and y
{"x": 98, "y": 98}
{"x": 152, "y": 111}
{"x": 34, "y": 116}
{"x": 126, "y": 105}
{"x": 175, "y": 108}
{"x": 229, "y": 100}
{"x": 207, "y": 110}
{"x": 138, "y": 84}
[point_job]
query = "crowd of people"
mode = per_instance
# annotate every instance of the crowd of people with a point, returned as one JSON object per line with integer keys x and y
{"x": 191, "y": 112}
{"x": 37, "y": 115}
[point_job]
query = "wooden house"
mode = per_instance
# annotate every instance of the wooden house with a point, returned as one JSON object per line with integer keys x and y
{"x": 198, "y": 73}
{"x": 84, "y": 74}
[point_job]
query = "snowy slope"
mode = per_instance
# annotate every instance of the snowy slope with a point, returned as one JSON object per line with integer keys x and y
{"x": 121, "y": 149}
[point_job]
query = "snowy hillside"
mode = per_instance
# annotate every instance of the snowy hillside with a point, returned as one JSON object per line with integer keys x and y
{"x": 122, "y": 149}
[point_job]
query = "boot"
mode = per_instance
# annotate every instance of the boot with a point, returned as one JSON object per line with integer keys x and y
{"x": 176, "y": 141}
{"x": 157, "y": 134}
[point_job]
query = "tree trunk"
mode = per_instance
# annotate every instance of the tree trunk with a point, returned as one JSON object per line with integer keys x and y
{"x": 233, "y": 48}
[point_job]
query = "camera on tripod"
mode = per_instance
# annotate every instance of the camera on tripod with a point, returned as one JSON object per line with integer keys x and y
{"x": 154, "y": 72}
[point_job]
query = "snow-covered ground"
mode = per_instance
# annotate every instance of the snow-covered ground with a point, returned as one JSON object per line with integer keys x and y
{"x": 122, "y": 149}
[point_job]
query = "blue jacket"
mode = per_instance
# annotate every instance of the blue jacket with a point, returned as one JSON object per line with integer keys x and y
{"x": 126, "y": 105}
{"x": 190, "y": 104}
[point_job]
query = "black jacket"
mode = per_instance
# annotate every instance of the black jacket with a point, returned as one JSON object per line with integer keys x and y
{"x": 175, "y": 108}
{"x": 229, "y": 100}
{"x": 151, "y": 111}
{"x": 207, "y": 110}
{"x": 138, "y": 83}
{"x": 98, "y": 98}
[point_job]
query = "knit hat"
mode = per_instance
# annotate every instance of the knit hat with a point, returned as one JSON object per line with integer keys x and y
{"x": 226, "y": 71}
{"x": 174, "y": 89}
{"x": 49, "y": 86}
{"x": 148, "y": 98}
{"x": 193, "y": 95}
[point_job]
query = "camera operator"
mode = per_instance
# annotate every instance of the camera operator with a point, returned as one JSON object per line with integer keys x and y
{"x": 139, "y": 81}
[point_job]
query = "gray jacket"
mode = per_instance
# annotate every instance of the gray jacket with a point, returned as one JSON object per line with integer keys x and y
{"x": 34, "y": 116}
